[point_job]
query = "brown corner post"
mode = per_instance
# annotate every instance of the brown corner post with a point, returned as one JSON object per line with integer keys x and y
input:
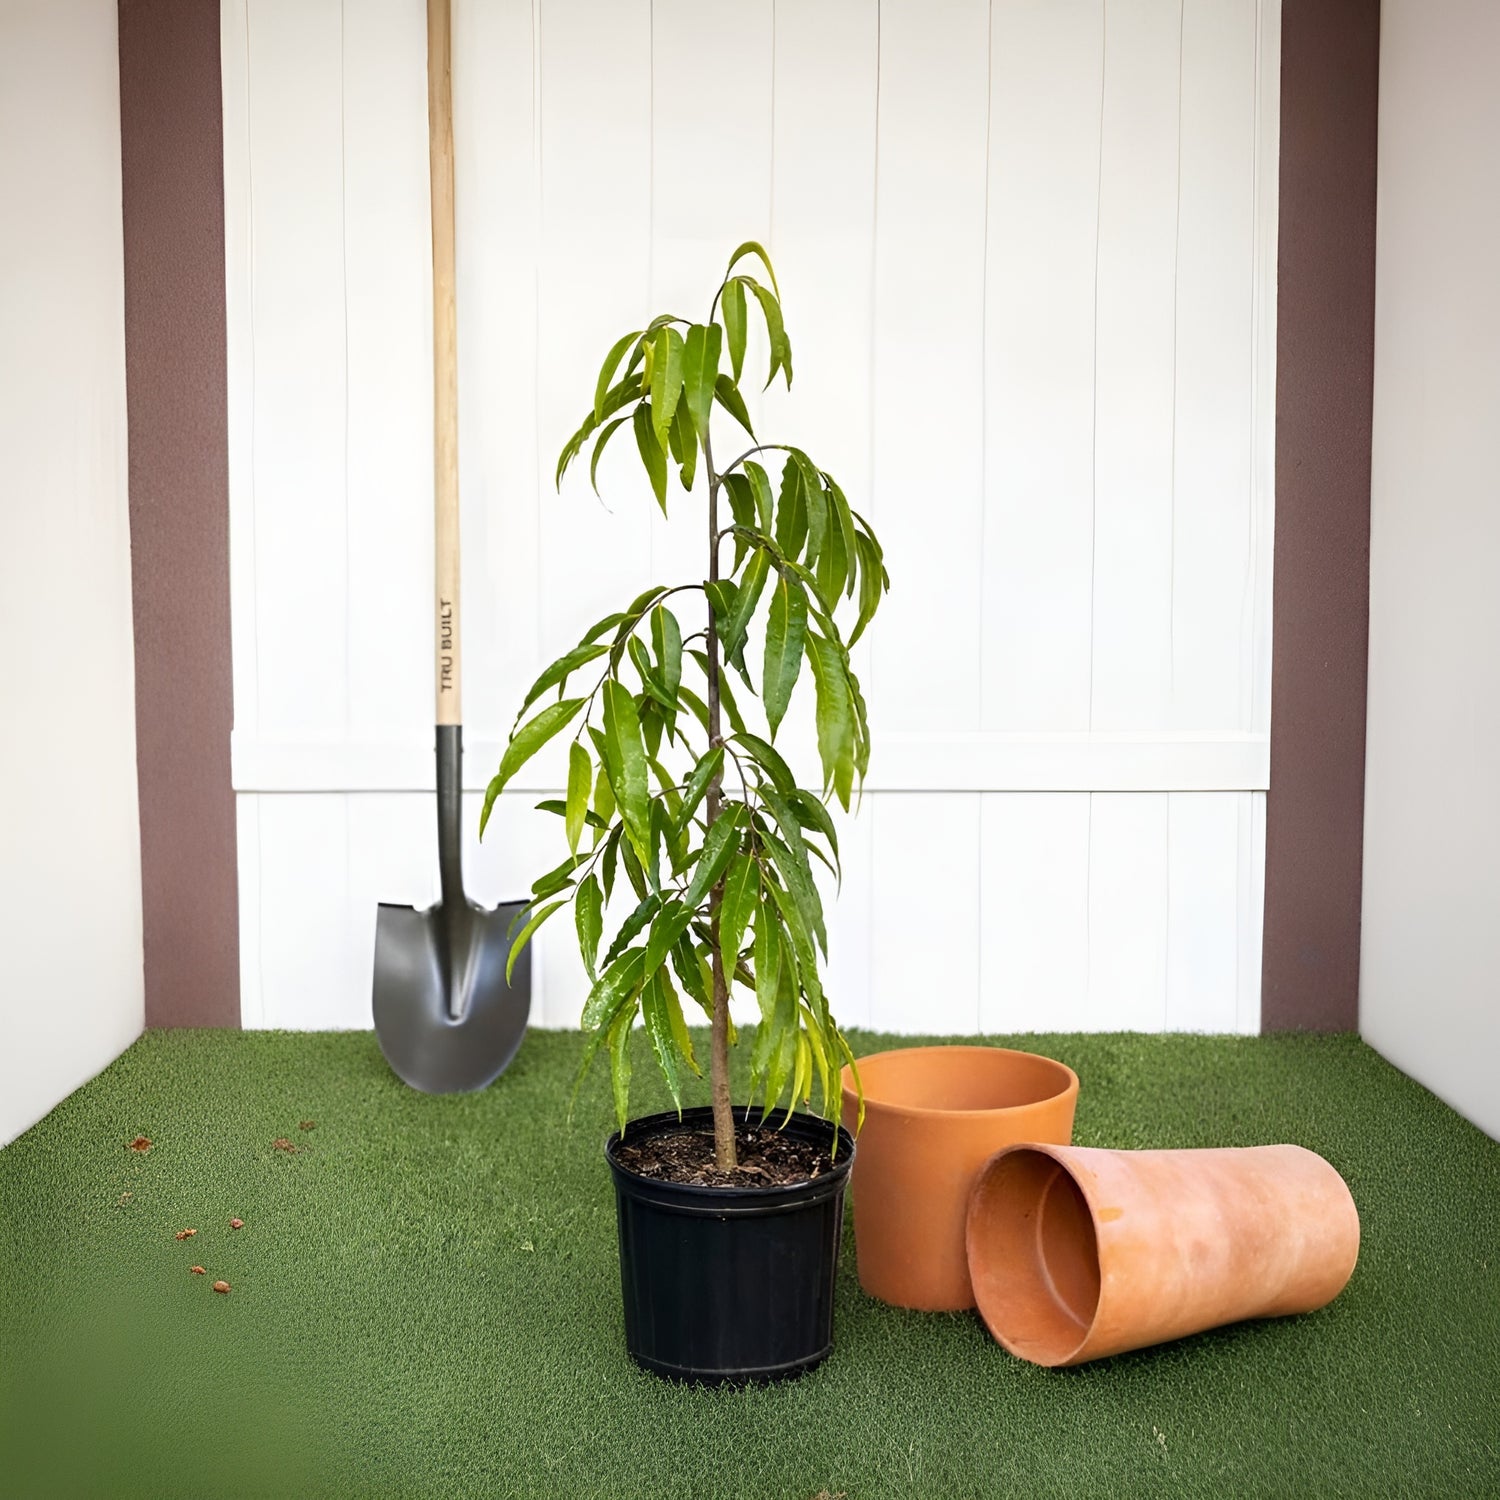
{"x": 171, "y": 132}
{"x": 1330, "y": 73}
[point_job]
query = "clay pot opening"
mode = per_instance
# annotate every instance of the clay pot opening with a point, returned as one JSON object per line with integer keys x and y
{"x": 951, "y": 1080}
{"x": 1037, "y": 1283}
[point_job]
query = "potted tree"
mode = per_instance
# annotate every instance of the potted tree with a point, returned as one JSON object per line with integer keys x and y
{"x": 682, "y": 813}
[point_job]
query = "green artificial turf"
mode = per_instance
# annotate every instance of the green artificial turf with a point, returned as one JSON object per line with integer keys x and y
{"x": 425, "y": 1301}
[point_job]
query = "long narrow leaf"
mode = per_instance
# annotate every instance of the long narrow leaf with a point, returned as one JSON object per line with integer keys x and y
{"x": 588, "y": 919}
{"x": 700, "y": 372}
{"x": 785, "y": 628}
{"x": 653, "y": 455}
{"x": 527, "y": 933}
{"x": 525, "y": 743}
{"x": 733, "y": 309}
{"x": 666, "y": 380}
{"x": 607, "y": 371}
{"x": 626, "y": 758}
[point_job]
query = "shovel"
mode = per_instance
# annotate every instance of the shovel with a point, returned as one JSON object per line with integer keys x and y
{"x": 446, "y": 1017}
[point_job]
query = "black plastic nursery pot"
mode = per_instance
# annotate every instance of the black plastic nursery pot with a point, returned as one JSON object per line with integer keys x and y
{"x": 729, "y": 1285}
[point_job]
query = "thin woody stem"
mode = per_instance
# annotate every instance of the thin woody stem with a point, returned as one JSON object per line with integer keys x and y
{"x": 725, "y": 1156}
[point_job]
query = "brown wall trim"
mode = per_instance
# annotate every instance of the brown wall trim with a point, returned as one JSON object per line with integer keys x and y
{"x": 171, "y": 131}
{"x": 1325, "y": 341}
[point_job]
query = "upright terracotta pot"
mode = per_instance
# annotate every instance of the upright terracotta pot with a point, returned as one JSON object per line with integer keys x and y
{"x": 933, "y": 1116}
{"x": 1078, "y": 1253}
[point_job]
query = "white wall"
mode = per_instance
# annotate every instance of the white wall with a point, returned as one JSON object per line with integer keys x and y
{"x": 70, "y": 887}
{"x": 1430, "y": 956}
{"x": 1028, "y": 257}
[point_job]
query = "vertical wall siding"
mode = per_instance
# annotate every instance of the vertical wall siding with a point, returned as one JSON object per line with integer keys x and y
{"x": 1026, "y": 248}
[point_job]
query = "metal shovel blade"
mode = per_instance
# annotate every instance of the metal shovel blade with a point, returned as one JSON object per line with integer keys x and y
{"x": 446, "y": 1018}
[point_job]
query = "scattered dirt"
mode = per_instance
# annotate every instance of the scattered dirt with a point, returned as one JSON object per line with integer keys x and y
{"x": 236, "y": 1223}
{"x": 308, "y": 1125}
{"x": 186, "y": 1234}
{"x": 281, "y": 1143}
{"x": 141, "y": 1143}
{"x": 221, "y": 1286}
{"x": 125, "y": 1198}
{"x": 767, "y": 1158}
{"x": 198, "y": 1271}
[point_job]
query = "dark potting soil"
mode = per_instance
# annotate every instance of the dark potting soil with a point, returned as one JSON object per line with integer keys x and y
{"x": 767, "y": 1158}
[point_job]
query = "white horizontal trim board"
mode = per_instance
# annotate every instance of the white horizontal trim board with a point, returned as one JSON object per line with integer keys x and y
{"x": 1208, "y": 762}
{"x": 1067, "y": 209}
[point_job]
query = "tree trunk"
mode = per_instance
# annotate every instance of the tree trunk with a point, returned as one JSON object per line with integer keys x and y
{"x": 725, "y": 1156}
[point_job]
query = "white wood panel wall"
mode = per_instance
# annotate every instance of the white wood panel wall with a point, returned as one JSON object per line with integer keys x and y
{"x": 1028, "y": 256}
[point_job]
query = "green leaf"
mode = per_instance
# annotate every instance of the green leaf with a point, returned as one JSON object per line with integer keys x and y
{"x": 833, "y": 561}
{"x": 703, "y": 773}
{"x": 559, "y": 878}
{"x": 588, "y": 919}
{"x": 675, "y": 1023}
{"x": 599, "y": 443}
{"x": 767, "y": 958}
{"x": 785, "y": 627}
{"x": 670, "y": 922}
{"x": 524, "y": 743}
{"x": 625, "y": 756}
{"x": 760, "y": 486}
{"x": 653, "y": 455}
{"x": 647, "y": 669}
{"x": 666, "y": 641}
{"x": 659, "y": 1031}
{"x": 691, "y": 976}
{"x": 666, "y": 379}
{"x": 632, "y": 927}
{"x": 609, "y": 857}
{"x": 741, "y": 893}
{"x": 781, "y": 349}
{"x": 726, "y": 696}
{"x": 560, "y": 671}
{"x": 619, "y": 1062}
{"x": 684, "y": 445}
{"x": 835, "y": 715}
{"x": 751, "y": 586}
{"x": 733, "y": 309}
{"x": 845, "y": 519}
{"x": 580, "y": 784}
{"x": 700, "y": 372}
{"x": 607, "y": 371}
{"x": 604, "y": 796}
{"x": 767, "y": 758}
{"x": 694, "y": 702}
{"x": 871, "y": 574}
{"x": 791, "y": 511}
{"x": 619, "y": 395}
{"x": 815, "y": 505}
{"x": 814, "y": 815}
{"x": 718, "y": 847}
{"x": 750, "y": 247}
{"x": 791, "y": 860}
{"x": 728, "y": 396}
{"x": 721, "y": 594}
{"x": 526, "y": 934}
{"x": 617, "y": 981}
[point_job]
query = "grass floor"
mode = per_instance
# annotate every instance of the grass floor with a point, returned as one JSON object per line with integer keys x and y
{"x": 425, "y": 1301}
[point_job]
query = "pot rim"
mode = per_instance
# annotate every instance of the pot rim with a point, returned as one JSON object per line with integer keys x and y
{"x": 714, "y": 1192}
{"x": 921, "y": 1112}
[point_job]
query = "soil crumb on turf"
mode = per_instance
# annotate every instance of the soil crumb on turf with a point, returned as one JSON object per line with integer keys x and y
{"x": 767, "y": 1158}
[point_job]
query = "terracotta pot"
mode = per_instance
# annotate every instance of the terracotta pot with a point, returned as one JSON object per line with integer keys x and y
{"x": 1077, "y": 1253}
{"x": 933, "y": 1117}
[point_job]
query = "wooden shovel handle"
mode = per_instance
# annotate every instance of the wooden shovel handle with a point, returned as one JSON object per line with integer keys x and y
{"x": 444, "y": 358}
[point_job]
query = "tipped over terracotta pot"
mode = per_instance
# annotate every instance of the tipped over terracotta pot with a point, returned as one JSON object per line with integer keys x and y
{"x": 1078, "y": 1253}
{"x": 933, "y": 1116}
